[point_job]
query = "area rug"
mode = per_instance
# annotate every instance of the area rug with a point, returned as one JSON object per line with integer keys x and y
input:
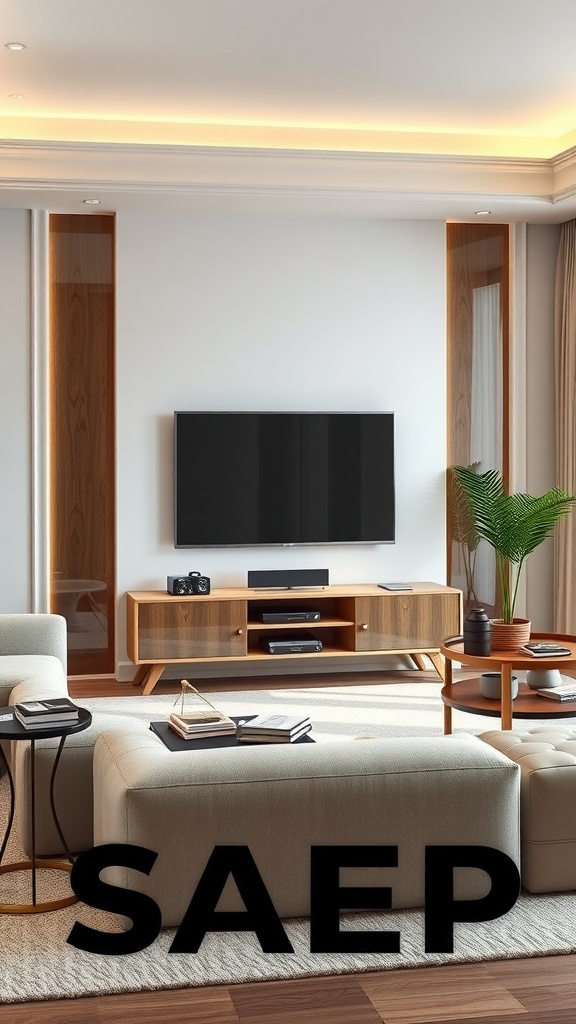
{"x": 36, "y": 963}
{"x": 411, "y": 708}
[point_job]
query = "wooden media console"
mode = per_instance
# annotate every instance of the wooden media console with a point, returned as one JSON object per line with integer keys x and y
{"x": 226, "y": 625}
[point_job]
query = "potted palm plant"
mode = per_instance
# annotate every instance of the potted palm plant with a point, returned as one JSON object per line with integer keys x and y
{"x": 514, "y": 525}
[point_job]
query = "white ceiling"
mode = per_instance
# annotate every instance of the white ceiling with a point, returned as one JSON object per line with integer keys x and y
{"x": 399, "y": 108}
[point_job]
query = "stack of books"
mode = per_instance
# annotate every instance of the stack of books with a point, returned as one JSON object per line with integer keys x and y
{"x": 545, "y": 649}
{"x": 565, "y": 692}
{"x": 197, "y": 718}
{"x": 196, "y": 725}
{"x": 274, "y": 729}
{"x": 46, "y": 714}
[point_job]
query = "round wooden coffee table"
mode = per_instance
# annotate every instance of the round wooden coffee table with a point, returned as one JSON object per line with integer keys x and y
{"x": 465, "y": 694}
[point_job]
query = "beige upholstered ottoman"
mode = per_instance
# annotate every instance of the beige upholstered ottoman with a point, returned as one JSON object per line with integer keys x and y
{"x": 547, "y": 759}
{"x": 279, "y": 800}
{"x": 73, "y": 787}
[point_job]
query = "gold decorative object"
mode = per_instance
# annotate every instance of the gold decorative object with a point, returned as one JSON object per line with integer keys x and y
{"x": 193, "y": 709}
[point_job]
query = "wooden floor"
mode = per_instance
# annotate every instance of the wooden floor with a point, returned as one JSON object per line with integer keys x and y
{"x": 533, "y": 991}
{"x": 541, "y": 991}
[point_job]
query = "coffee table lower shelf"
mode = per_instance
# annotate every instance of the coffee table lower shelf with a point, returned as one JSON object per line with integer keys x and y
{"x": 465, "y": 696}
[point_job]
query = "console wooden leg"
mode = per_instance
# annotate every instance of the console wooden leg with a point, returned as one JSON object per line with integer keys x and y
{"x": 439, "y": 664}
{"x": 447, "y": 720}
{"x": 419, "y": 661}
{"x": 153, "y": 677}
{"x": 141, "y": 675}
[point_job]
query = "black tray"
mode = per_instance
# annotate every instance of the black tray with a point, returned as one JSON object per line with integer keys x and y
{"x": 173, "y": 741}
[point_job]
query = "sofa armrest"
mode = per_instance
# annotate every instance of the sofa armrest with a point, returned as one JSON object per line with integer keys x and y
{"x": 28, "y": 633}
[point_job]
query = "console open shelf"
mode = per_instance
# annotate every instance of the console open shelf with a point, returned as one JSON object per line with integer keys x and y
{"x": 223, "y": 626}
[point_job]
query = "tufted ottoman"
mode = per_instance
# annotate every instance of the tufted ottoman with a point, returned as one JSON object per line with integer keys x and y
{"x": 281, "y": 799}
{"x": 547, "y": 759}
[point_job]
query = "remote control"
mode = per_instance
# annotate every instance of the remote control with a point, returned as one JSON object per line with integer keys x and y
{"x": 394, "y": 586}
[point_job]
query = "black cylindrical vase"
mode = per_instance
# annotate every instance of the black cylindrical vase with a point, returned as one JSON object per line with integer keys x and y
{"x": 477, "y": 633}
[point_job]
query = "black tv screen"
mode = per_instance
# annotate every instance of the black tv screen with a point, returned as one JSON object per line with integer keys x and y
{"x": 277, "y": 478}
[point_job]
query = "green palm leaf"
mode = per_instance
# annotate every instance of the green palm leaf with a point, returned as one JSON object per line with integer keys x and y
{"x": 513, "y": 524}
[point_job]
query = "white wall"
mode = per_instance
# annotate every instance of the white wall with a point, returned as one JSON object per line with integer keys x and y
{"x": 541, "y": 251}
{"x": 15, "y": 399}
{"x": 280, "y": 313}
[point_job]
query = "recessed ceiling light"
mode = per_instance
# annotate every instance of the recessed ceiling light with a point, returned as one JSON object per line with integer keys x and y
{"x": 15, "y": 46}
{"x": 482, "y": 213}
{"x": 91, "y": 202}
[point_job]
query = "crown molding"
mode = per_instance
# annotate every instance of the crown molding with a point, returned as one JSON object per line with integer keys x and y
{"x": 564, "y": 172}
{"x": 126, "y": 166}
{"x": 565, "y": 159}
{"x": 61, "y": 169}
{"x": 168, "y": 151}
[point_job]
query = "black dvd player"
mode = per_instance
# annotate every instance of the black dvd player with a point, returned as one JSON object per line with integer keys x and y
{"x": 292, "y": 645}
{"x": 289, "y": 615}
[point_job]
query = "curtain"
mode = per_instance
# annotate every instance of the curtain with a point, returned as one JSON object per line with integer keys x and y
{"x": 486, "y": 412}
{"x": 565, "y": 390}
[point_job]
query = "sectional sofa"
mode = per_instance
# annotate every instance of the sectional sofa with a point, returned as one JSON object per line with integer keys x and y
{"x": 33, "y": 662}
{"x": 117, "y": 783}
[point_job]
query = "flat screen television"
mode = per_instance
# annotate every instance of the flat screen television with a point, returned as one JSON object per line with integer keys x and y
{"x": 283, "y": 478}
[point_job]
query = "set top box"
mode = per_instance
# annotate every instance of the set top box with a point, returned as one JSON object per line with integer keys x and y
{"x": 290, "y": 615}
{"x": 292, "y": 645}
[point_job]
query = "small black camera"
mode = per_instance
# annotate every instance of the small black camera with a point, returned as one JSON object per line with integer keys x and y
{"x": 193, "y": 583}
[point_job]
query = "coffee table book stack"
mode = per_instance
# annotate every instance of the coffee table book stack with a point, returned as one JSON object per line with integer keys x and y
{"x": 274, "y": 729}
{"x": 46, "y": 714}
{"x": 545, "y": 650}
{"x": 201, "y": 720}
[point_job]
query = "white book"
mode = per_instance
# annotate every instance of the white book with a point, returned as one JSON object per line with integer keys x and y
{"x": 224, "y": 730}
{"x": 212, "y": 724}
{"x": 567, "y": 691}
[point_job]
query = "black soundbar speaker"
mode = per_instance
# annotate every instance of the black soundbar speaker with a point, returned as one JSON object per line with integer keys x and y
{"x": 268, "y": 579}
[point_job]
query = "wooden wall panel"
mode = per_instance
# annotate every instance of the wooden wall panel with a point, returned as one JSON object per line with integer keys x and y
{"x": 477, "y": 255}
{"x": 82, "y": 436}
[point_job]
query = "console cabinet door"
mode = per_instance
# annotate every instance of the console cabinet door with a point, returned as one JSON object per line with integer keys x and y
{"x": 405, "y": 622}
{"x": 176, "y": 630}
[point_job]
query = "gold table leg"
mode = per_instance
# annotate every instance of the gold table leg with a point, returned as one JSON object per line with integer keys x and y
{"x": 36, "y": 908}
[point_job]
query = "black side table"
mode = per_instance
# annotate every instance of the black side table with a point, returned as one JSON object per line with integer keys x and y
{"x": 11, "y": 730}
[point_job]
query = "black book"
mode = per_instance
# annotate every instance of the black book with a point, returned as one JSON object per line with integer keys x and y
{"x": 268, "y": 737}
{"x": 545, "y": 649}
{"x": 274, "y": 725}
{"x": 43, "y": 712}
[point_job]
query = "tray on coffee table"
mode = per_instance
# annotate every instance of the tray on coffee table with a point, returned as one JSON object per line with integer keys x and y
{"x": 173, "y": 741}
